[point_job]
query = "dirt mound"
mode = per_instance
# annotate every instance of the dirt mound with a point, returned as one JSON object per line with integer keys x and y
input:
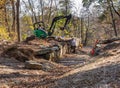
{"x": 49, "y": 48}
{"x": 25, "y": 50}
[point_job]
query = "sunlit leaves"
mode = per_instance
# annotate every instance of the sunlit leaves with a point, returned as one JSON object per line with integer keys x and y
{"x": 2, "y": 3}
{"x": 3, "y": 33}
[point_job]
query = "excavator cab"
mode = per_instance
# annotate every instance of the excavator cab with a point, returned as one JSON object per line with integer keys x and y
{"x": 36, "y": 25}
{"x": 42, "y": 32}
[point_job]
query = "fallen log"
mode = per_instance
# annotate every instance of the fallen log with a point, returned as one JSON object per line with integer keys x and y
{"x": 112, "y": 45}
{"x": 109, "y": 40}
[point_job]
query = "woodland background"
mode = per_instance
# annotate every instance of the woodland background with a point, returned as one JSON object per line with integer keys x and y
{"x": 97, "y": 19}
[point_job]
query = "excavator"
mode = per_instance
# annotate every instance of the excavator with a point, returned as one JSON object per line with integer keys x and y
{"x": 42, "y": 33}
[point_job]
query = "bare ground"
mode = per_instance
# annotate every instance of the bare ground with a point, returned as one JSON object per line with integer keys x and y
{"x": 72, "y": 71}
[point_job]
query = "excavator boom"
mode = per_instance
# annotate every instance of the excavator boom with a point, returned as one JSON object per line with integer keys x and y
{"x": 52, "y": 27}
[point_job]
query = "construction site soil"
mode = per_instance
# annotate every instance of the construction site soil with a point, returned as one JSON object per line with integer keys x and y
{"x": 79, "y": 70}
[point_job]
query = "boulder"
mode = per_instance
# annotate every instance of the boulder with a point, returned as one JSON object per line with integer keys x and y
{"x": 42, "y": 65}
{"x": 33, "y": 65}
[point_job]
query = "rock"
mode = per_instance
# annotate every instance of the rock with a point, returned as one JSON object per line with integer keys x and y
{"x": 43, "y": 65}
{"x": 33, "y": 65}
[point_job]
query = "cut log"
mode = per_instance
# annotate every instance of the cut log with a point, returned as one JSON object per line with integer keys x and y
{"x": 112, "y": 45}
{"x": 109, "y": 40}
{"x": 43, "y": 65}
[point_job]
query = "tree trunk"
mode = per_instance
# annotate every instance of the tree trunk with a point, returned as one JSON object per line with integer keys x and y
{"x": 82, "y": 37}
{"x": 28, "y": 11}
{"x": 114, "y": 8}
{"x": 78, "y": 28}
{"x": 6, "y": 20}
{"x": 56, "y": 7}
{"x": 42, "y": 10}
{"x": 50, "y": 11}
{"x": 17, "y": 20}
{"x": 13, "y": 15}
{"x": 31, "y": 7}
{"x": 86, "y": 33}
{"x": 113, "y": 20}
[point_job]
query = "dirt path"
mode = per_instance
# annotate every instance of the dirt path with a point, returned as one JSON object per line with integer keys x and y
{"x": 14, "y": 75}
{"x": 80, "y": 58}
{"x": 102, "y": 73}
{"x": 75, "y": 60}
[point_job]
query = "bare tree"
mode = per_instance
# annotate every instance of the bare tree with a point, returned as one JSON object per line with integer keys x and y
{"x": 27, "y": 10}
{"x": 32, "y": 10}
{"x": 17, "y": 20}
{"x": 86, "y": 32}
{"x": 50, "y": 11}
{"x": 112, "y": 17}
{"x": 13, "y": 15}
{"x": 114, "y": 8}
{"x": 6, "y": 19}
{"x": 42, "y": 8}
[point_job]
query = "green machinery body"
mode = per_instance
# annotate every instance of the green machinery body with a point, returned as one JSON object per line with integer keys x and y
{"x": 40, "y": 33}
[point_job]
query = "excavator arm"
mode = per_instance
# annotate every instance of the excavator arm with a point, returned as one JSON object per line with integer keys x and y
{"x": 52, "y": 27}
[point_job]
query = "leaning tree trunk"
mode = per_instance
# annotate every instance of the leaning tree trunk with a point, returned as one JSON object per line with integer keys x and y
{"x": 113, "y": 20}
{"x": 114, "y": 8}
{"x": 66, "y": 8}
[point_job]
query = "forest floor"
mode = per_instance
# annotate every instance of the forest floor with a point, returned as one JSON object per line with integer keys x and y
{"x": 73, "y": 71}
